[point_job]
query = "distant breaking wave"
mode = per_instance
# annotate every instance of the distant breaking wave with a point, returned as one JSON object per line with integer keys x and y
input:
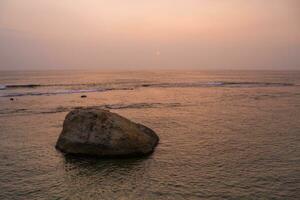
{"x": 100, "y": 87}
{"x": 60, "y": 109}
{"x": 12, "y": 86}
{"x": 219, "y": 84}
{"x": 214, "y": 83}
{"x": 61, "y": 92}
{"x": 183, "y": 84}
{"x": 2, "y": 87}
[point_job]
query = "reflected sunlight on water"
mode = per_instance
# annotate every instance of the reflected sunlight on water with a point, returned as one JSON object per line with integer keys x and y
{"x": 238, "y": 142}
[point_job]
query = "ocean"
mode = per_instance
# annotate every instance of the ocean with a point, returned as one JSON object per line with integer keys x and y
{"x": 223, "y": 134}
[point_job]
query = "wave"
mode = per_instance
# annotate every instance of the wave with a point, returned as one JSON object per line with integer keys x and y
{"x": 60, "y": 109}
{"x": 258, "y": 84}
{"x": 100, "y": 87}
{"x": 219, "y": 84}
{"x": 2, "y": 87}
{"x": 141, "y": 105}
{"x": 15, "y": 86}
{"x": 214, "y": 83}
{"x": 24, "y": 86}
{"x": 59, "y": 92}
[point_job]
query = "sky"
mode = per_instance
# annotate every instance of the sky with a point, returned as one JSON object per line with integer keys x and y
{"x": 143, "y": 34}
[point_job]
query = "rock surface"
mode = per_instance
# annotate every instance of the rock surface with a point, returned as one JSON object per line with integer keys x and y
{"x": 98, "y": 132}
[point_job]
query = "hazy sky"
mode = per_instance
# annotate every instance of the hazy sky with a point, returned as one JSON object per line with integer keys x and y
{"x": 150, "y": 34}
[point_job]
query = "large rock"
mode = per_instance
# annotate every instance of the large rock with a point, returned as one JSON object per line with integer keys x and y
{"x": 99, "y": 132}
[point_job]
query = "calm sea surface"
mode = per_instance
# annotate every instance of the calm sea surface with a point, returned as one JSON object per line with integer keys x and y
{"x": 224, "y": 135}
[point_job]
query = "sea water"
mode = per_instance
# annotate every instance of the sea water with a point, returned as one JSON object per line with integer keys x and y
{"x": 223, "y": 134}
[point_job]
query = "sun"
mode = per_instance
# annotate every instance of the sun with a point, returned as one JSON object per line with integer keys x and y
{"x": 157, "y": 53}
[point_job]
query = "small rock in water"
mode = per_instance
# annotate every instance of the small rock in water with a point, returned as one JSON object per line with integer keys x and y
{"x": 97, "y": 132}
{"x": 83, "y": 96}
{"x": 12, "y": 99}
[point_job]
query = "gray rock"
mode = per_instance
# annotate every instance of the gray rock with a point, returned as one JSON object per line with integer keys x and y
{"x": 98, "y": 132}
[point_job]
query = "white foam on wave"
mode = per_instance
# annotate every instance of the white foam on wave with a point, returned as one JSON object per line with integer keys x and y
{"x": 51, "y": 93}
{"x": 2, "y": 87}
{"x": 60, "y": 92}
{"x": 163, "y": 85}
{"x": 214, "y": 83}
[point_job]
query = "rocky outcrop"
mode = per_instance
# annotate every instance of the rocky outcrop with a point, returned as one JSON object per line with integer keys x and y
{"x": 98, "y": 132}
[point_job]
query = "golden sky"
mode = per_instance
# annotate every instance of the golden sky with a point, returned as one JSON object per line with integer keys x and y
{"x": 156, "y": 34}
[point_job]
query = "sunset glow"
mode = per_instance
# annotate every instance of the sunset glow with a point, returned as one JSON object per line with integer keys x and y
{"x": 124, "y": 34}
{"x": 149, "y": 99}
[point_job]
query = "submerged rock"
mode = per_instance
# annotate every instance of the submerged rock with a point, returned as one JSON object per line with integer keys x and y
{"x": 98, "y": 132}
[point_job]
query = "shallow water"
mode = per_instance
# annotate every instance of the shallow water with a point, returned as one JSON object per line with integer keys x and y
{"x": 224, "y": 135}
